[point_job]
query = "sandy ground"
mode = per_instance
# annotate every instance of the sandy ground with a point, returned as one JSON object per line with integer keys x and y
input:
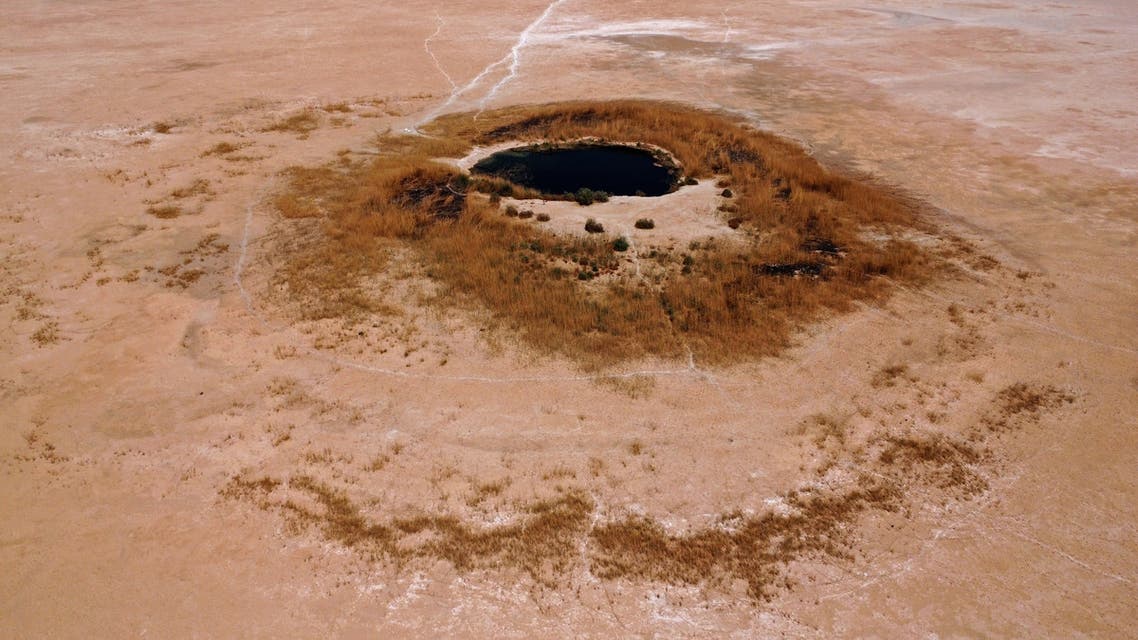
{"x": 143, "y": 362}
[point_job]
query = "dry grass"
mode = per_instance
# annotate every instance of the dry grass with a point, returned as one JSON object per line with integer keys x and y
{"x": 936, "y": 460}
{"x": 165, "y": 211}
{"x": 889, "y": 376}
{"x": 803, "y": 253}
{"x": 47, "y": 334}
{"x": 199, "y": 187}
{"x": 1022, "y": 402}
{"x": 302, "y": 123}
{"x": 752, "y": 549}
{"x": 221, "y": 149}
{"x": 543, "y": 542}
{"x": 635, "y": 387}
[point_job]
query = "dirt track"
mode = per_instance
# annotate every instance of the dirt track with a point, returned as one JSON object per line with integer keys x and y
{"x": 137, "y": 379}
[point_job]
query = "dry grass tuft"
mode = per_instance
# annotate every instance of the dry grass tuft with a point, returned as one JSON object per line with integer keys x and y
{"x": 889, "y": 376}
{"x": 47, "y": 334}
{"x": 221, "y": 149}
{"x": 241, "y": 487}
{"x": 302, "y": 123}
{"x": 199, "y": 187}
{"x": 165, "y": 211}
{"x": 935, "y": 459}
{"x": 1022, "y": 402}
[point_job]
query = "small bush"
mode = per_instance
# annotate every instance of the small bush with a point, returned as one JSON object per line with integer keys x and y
{"x": 586, "y": 196}
{"x": 727, "y": 193}
{"x": 645, "y": 223}
{"x": 592, "y": 226}
{"x": 511, "y": 210}
{"x": 543, "y": 217}
{"x": 525, "y": 214}
{"x": 620, "y": 244}
{"x": 689, "y": 181}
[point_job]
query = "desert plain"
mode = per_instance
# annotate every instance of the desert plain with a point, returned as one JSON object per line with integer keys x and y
{"x": 182, "y": 452}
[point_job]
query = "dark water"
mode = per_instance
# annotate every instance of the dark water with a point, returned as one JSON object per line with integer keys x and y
{"x": 618, "y": 170}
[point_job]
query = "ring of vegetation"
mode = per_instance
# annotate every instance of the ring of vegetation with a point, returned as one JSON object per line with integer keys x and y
{"x": 807, "y": 241}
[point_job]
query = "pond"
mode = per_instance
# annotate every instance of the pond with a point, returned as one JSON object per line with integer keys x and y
{"x": 619, "y": 170}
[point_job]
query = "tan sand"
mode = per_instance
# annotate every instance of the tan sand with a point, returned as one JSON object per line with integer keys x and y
{"x": 145, "y": 362}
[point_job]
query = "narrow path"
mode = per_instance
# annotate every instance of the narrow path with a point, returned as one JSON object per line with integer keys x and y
{"x": 430, "y": 52}
{"x": 513, "y": 57}
{"x": 515, "y": 54}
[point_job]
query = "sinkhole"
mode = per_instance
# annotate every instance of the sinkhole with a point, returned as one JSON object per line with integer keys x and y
{"x": 616, "y": 169}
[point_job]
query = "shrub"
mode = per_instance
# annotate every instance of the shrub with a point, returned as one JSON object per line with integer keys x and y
{"x": 543, "y": 217}
{"x": 620, "y": 244}
{"x": 645, "y": 223}
{"x": 525, "y": 214}
{"x": 689, "y": 181}
{"x": 592, "y": 226}
{"x": 511, "y": 210}
{"x": 586, "y": 196}
{"x": 727, "y": 193}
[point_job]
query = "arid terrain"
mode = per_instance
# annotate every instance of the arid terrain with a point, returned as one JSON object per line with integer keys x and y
{"x": 193, "y": 446}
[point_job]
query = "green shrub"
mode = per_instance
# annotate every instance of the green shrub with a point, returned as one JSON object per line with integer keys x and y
{"x": 620, "y": 244}
{"x": 586, "y": 196}
{"x": 543, "y": 217}
{"x": 592, "y": 226}
{"x": 645, "y": 223}
{"x": 727, "y": 193}
{"x": 525, "y": 214}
